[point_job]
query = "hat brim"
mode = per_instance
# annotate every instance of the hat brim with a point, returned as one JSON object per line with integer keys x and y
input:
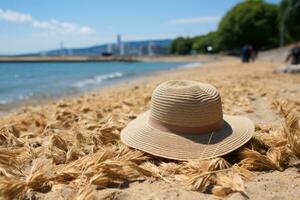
{"x": 139, "y": 134}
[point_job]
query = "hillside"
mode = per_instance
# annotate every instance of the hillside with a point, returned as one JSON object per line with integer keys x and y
{"x": 99, "y": 49}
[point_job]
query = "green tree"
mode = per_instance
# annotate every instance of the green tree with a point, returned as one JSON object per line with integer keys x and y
{"x": 289, "y": 20}
{"x": 181, "y": 46}
{"x": 249, "y": 22}
{"x": 201, "y": 43}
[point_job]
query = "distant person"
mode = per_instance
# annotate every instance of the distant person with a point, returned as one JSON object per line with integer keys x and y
{"x": 246, "y": 53}
{"x": 294, "y": 55}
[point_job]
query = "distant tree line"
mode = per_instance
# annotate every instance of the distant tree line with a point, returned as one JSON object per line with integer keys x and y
{"x": 256, "y": 22}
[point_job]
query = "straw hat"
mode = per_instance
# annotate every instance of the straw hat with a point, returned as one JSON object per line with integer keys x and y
{"x": 186, "y": 122}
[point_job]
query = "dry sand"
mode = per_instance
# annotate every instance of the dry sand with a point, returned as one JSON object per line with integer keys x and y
{"x": 252, "y": 90}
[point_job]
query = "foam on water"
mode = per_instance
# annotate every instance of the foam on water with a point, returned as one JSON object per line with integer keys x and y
{"x": 190, "y": 65}
{"x": 98, "y": 79}
{"x": 3, "y": 102}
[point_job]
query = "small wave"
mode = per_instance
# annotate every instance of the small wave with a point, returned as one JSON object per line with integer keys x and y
{"x": 24, "y": 97}
{"x": 191, "y": 65}
{"x": 12, "y": 100}
{"x": 98, "y": 79}
{"x": 3, "y": 102}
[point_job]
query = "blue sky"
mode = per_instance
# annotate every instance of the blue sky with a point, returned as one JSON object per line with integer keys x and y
{"x": 37, "y": 25}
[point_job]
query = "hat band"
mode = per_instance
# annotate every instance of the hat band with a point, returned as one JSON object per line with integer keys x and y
{"x": 184, "y": 129}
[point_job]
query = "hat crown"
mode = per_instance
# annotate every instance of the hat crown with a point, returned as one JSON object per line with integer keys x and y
{"x": 186, "y": 103}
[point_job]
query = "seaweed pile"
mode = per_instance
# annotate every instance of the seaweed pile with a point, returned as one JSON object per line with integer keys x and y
{"x": 76, "y": 143}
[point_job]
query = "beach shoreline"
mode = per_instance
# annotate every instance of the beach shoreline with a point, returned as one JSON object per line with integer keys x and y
{"x": 193, "y": 61}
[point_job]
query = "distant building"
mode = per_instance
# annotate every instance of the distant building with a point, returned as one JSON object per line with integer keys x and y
{"x": 153, "y": 49}
{"x": 119, "y": 45}
{"x": 61, "y": 52}
{"x": 122, "y": 49}
{"x": 143, "y": 50}
{"x": 150, "y": 49}
{"x": 109, "y": 48}
{"x": 119, "y": 40}
{"x": 133, "y": 48}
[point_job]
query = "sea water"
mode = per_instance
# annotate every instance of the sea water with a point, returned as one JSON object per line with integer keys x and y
{"x": 41, "y": 80}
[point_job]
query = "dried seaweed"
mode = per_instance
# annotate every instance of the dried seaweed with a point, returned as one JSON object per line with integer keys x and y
{"x": 76, "y": 142}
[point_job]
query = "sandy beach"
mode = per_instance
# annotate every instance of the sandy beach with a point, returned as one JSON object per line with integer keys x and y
{"x": 70, "y": 149}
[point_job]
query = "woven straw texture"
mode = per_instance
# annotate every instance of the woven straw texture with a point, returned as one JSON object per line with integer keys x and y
{"x": 187, "y": 104}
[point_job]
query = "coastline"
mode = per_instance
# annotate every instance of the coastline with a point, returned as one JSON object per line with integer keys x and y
{"x": 193, "y": 61}
{"x": 253, "y": 90}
